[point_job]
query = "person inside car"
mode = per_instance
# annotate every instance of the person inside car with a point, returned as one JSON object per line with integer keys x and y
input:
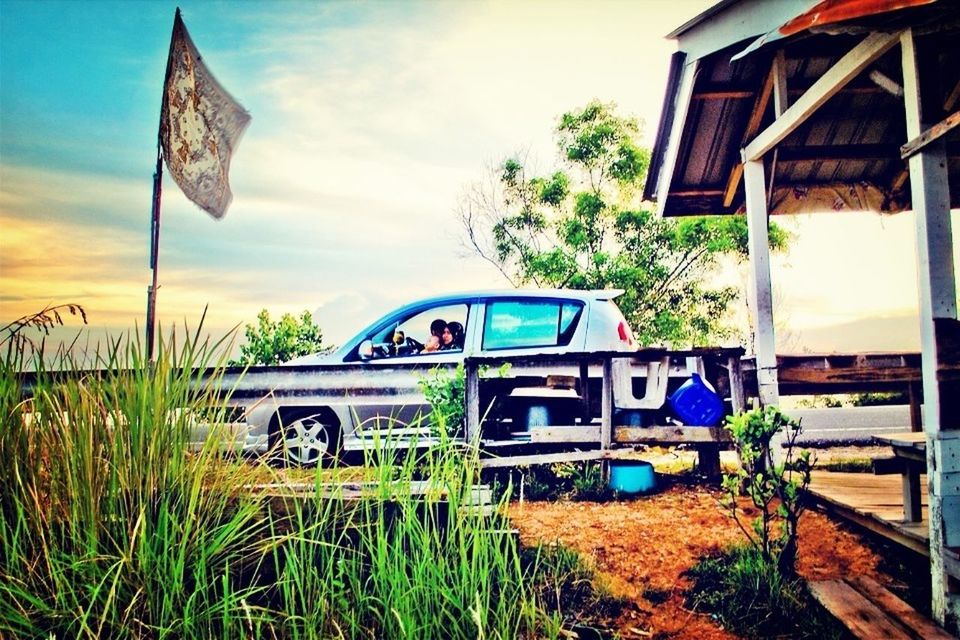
{"x": 452, "y": 337}
{"x": 435, "y": 341}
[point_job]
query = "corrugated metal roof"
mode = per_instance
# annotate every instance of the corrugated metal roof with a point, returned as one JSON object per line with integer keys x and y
{"x": 852, "y": 140}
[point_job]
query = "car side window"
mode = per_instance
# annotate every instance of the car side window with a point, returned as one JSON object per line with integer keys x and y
{"x": 513, "y": 324}
{"x": 408, "y": 336}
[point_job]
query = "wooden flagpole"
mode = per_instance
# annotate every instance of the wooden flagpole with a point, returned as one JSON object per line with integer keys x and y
{"x": 154, "y": 253}
{"x": 151, "y": 328}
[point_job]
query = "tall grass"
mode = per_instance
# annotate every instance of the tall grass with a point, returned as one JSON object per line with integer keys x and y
{"x": 111, "y": 528}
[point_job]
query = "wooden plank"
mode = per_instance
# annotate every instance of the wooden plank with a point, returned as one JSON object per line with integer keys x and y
{"x": 935, "y": 132}
{"x": 897, "y": 608}
{"x": 568, "y": 433}
{"x": 845, "y": 70}
{"x": 550, "y": 458}
{"x": 860, "y": 616}
{"x": 670, "y": 435}
{"x": 871, "y": 502}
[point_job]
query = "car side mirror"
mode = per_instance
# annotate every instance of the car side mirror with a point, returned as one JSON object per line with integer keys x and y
{"x": 365, "y": 350}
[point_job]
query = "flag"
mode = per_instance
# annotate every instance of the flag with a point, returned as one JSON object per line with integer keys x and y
{"x": 200, "y": 126}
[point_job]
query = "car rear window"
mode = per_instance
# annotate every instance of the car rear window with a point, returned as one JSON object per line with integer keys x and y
{"x": 512, "y": 324}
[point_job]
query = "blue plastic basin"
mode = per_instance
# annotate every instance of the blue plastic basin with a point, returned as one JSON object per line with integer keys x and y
{"x": 632, "y": 476}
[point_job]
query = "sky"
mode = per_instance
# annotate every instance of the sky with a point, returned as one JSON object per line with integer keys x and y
{"x": 370, "y": 120}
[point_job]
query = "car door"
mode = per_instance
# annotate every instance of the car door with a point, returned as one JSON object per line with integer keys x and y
{"x": 396, "y": 406}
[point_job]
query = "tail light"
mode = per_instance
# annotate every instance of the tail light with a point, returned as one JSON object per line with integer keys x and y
{"x": 624, "y": 332}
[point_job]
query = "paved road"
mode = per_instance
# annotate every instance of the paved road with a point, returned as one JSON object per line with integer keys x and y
{"x": 852, "y": 425}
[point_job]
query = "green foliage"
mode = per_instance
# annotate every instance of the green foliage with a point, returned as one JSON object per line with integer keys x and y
{"x": 753, "y": 599}
{"x": 110, "y": 527}
{"x": 569, "y": 588}
{"x": 270, "y": 342}
{"x": 774, "y": 488}
{"x": 585, "y": 227}
{"x": 879, "y": 398}
{"x": 446, "y": 393}
{"x": 577, "y": 481}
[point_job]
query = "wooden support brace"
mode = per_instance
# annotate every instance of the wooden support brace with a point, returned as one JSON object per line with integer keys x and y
{"x": 845, "y": 70}
{"x": 935, "y": 132}
{"x": 753, "y": 125}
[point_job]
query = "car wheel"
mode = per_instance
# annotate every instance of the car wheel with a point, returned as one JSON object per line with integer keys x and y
{"x": 306, "y": 438}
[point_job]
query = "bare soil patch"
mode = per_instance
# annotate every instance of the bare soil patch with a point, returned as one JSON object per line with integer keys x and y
{"x": 641, "y": 548}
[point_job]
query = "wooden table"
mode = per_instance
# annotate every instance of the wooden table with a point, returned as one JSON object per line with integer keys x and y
{"x": 910, "y": 447}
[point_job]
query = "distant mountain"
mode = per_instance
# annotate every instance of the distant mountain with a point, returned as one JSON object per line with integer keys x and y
{"x": 898, "y": 333}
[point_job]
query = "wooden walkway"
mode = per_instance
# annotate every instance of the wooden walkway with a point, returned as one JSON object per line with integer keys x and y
{"x": 874, "y": 502}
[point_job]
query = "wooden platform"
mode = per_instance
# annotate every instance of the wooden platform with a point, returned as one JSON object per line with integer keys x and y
{"x": 874, "y": 502}
{"x": 869, "y": 611}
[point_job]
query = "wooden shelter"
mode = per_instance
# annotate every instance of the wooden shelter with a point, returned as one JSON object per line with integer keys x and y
{"x": 801, "y": 106}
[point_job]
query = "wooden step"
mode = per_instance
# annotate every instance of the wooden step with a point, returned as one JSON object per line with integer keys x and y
{"x": 868, "y": 610}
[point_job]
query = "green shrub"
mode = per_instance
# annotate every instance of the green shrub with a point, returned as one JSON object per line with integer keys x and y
{"x": 752, "y": 598}
{"x": 774, "y": 487}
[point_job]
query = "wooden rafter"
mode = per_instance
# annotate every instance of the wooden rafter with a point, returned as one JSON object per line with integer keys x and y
{"x": 753, "y": 125}
{"x": 845, "y": 70}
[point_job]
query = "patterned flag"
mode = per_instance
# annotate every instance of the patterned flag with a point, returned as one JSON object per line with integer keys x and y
{"x": 200, "y": 126}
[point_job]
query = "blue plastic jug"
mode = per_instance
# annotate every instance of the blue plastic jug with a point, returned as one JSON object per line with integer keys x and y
{"x": 696, "y": 403}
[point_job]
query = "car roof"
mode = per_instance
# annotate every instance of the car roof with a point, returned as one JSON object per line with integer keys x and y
{"x": 571, "y": 294}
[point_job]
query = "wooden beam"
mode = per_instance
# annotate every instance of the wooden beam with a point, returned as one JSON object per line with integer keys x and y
{"x": 692, "y": 193}
{"x": 935, "y": 132}
{"x": 753, "y": 125}
{"x": 845, "y": 70}
{"x": 671, "y": 435}
{"x": 953, "y": 98}
{"x": 930, "y": 195}
{"x": 827, "y": 153}
{"x": 722, "y": 94}
{"x": 760, "y": 285}
{"x": 781, "y": 101}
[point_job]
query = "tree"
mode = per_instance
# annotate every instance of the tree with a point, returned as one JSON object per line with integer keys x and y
{"x": 270, "y": 342}
{"x": 584, "y": 227}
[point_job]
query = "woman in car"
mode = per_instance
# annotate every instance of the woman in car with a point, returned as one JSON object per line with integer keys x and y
{"x": 452, "y": 337}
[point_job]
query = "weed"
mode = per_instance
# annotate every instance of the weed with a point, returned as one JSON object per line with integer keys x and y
{"x": 751, "y": 597}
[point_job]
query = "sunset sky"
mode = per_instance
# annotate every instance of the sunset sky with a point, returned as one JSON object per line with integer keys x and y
{"x": 369, "y": 120}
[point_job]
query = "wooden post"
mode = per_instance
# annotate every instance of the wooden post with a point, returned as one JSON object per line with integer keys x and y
{"x": 930, "y": 195}
{"x": 915, "y": 392}
{"x": 738, "y": 402}
{"x": 585, "y": 392}
{"x": 760, "y": 286}
{"x": 606, "y": 405}
{"x": 472, "y": 399}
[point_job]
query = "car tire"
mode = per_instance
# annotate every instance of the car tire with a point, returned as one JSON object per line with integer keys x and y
{"x": 305, "y": 437}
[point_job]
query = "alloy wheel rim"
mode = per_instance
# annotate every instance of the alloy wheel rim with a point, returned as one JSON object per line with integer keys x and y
{"x": 306, "y": 440}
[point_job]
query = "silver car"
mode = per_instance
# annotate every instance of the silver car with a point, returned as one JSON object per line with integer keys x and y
{"x": 367, "y": 390}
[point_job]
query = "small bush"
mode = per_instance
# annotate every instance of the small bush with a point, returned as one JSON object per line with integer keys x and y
{"x": 748, "y": 595}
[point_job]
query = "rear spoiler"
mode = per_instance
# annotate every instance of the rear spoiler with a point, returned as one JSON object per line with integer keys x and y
{"x": 606, "y": 294}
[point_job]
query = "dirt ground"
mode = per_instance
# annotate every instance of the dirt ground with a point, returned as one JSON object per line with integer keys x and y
{"x": 641, "y": 548}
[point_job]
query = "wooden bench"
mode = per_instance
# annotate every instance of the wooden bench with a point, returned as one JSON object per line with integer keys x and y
{"x": 868, "y": 610}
